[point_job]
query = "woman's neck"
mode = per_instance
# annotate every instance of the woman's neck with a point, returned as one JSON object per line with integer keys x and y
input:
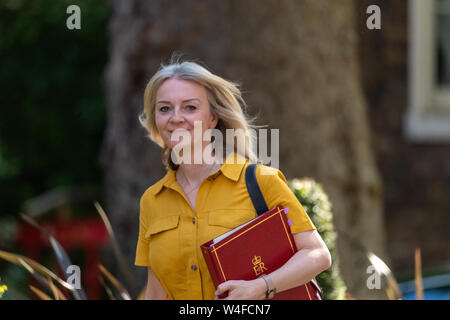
{"x": 195, "y": 173}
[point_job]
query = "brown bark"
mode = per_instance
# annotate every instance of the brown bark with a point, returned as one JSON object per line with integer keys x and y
{"x": 298, "y": 66}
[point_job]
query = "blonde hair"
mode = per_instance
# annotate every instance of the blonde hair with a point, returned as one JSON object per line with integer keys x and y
{"x": 225, "y": 100}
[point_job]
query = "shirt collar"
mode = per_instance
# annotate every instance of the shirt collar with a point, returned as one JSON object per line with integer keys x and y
{"x": 231, "y": 168}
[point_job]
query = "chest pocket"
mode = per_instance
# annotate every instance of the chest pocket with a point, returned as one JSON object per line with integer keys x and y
{"x": 162, "y": 224}
{"x": 164, "y": 236}
{"x": 229, "y": 218}
{"x": 164, "y": 246}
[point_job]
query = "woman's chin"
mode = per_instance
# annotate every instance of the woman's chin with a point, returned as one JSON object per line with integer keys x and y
{"x": 180, "y": 146}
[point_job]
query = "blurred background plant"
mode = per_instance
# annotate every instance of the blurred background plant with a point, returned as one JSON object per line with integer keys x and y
{"x": 62, "y": 284}
{"x": 53, "y": 105}
{"x": 53, "y": 115}
{"x": 315, "y": 202}
{"x": 3, "y": 288}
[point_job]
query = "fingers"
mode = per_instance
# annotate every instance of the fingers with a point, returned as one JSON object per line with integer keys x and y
{"x": 224, "y": 287}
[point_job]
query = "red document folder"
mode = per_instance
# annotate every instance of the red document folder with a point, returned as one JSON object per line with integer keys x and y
{"x": 257, "y": 247}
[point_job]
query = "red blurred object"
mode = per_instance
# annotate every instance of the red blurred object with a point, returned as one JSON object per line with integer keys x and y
{"x": 90, "y": 235}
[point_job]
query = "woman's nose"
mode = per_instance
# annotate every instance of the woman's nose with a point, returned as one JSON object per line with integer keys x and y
{"x": 176, "y": 115}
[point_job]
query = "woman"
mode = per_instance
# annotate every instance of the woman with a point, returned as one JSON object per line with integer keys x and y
{"x": 197, "y": 201}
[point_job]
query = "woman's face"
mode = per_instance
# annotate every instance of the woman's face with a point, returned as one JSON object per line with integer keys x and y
{"x": 178, "y": 104}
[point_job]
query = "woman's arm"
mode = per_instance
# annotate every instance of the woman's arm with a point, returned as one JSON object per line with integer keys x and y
{"x": 154, "y": 289}
{"x": 311, "y": 259}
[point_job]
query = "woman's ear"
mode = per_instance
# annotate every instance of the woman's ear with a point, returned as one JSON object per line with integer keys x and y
{"x": 214, "y": 121}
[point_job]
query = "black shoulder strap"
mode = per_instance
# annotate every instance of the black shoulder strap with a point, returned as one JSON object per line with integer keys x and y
{"x": 253, "y": 189}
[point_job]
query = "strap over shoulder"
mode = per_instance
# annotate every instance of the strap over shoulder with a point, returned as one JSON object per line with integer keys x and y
{"x": 253, "y": 189}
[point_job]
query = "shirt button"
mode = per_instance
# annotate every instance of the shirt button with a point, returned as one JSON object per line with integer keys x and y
{"x": 193, "y": 267}
{"x": 193, "y": 220}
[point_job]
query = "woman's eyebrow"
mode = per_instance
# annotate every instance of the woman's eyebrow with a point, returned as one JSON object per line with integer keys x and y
{"x": 163, "y": 101}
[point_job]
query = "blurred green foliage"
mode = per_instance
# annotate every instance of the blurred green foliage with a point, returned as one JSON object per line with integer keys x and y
{"x": 52, "y": 99}
{"x": 315, "y": 202}
{"x": 3, "y": 289}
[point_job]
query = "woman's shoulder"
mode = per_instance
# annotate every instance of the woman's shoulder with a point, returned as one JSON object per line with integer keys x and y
{"x": 262, "y": 169}
{"x": 266, "y": 174}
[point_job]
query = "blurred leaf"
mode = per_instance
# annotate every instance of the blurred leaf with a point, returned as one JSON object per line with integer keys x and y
{"x": 42, "y": 280}
{"x": 39, "y": 293}
{"x": 116, "y": 249}
{"x": 61, "y": 255}
{"x": 418, "y": 274}
{"x": 37, "y": 267}
{"x": 122, "y": 291}
{"x": 107, "y": 288}
{"x": 393, "y": 292}
{"x": 56, "y": 292}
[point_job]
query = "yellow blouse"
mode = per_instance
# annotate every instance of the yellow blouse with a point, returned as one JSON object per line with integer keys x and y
{"x": 171, "y": 232}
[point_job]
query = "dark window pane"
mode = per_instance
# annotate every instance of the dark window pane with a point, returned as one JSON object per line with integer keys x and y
{"x": 443, "y": 42}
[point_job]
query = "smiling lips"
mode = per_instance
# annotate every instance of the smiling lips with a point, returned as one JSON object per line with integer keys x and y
{"x": 178, "y": 129}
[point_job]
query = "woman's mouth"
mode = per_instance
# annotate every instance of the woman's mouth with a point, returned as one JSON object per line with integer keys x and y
{"x": 179, "y": 129}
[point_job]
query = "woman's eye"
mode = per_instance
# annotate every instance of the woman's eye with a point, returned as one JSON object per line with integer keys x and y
{"x": 191, "y": 107}
{"x": 164, "y": 109}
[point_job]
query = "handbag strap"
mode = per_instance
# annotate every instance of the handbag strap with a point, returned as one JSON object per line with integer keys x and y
{"x": 253, "y": 189}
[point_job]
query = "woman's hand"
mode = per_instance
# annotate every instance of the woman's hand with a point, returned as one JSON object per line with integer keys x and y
{"x": 242, "y": 290}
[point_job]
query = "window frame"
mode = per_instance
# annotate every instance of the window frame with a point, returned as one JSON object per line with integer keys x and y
{"x": 428, "y": 113}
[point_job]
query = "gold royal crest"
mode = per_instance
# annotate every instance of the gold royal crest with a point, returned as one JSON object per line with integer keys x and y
{"x": 258, "y": 265}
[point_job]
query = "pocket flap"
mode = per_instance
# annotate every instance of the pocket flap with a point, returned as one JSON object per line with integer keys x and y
{"x": 230, "y": 218}
{"x": 162, "y": 224}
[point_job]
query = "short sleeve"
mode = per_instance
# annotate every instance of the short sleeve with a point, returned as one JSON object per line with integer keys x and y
{"x": 143, "y": 243}
{"x": 275, "y": 190}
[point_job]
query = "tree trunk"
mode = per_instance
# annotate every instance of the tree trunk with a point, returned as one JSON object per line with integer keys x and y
{"x": 297, "y": 62}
